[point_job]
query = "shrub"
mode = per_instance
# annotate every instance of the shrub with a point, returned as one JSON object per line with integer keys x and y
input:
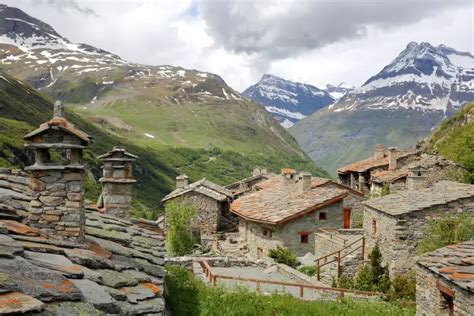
{"x": 308, "y": 270}
{"x": 345, "y": 282}
{"x": 385, "y": 189}
{"x": 283, "y": 255}
{"x": 447, "y": 230}
{"x": 363, "y": 280}
{"x": 376, "y": 268}
{"x": 179, "y": 239}
{"x": 403, "y": 287}
{"x": 179, "y": 280}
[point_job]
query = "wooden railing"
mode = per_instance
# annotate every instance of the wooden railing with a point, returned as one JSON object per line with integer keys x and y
{"x": 338, "y": 255}
{"x": 332, "y": 235}
{"x": 212, "y": 277}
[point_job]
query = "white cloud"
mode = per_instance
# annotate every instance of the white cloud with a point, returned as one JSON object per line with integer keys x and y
{"x": 317, "y": 42}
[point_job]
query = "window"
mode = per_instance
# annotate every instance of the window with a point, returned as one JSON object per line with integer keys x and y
{"x": 267, "y": 233}
{"x": 322, "y": 216}
{"x": 374, "y": 226}
{"x": 304, "y": 239}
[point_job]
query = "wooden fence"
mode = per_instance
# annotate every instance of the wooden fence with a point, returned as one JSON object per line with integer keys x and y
{"x": 213, "y": 277}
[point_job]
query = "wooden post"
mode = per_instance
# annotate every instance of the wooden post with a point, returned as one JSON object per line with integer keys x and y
{"x": 363, "y": 247}
{"x": 301, "y": 291}
{"x": 317, "y": 269}
{"x": 258, "y": 286}
{"x": 214, "y": 280}
{"x": 338, "y": 264}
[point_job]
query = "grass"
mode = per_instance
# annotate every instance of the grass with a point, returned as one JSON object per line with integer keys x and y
{"x": 189, "y": 296}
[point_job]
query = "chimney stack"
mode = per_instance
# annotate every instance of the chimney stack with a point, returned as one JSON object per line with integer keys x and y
{"x": 288, "y": 176}
{"x": 117, "y": 182}
{"x": 181, "y": 181}
{"x": 417, "y": 178}
{"x": 392, "y": 158}
{"x": 305, "y": 178}
{"x": 379, "y": 151}
{"x": 58, "y": 109}
{"x": 57, "y": 208}
{"x": 256, "y": 171}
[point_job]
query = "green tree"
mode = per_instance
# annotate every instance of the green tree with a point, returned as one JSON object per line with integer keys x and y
{"x": 403, "y": 287}
{"x": 451, "y": 229}
{"x": 345, "y": 282}
{"x": 376, "y": 268}
{"x": 363, "y": 280}
{"x": 179, "y": 239}
{"x": 283, "y": 255}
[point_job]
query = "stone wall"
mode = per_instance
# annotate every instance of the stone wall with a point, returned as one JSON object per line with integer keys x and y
{"x": 398, "y": 236}
{"x": 187, "y": 262}
{"x": 15, "y": 194}
{"x": 117, "y": 198}
{"x": 57, "y": 208}
{"x": 429, "y": 300}
{"x": 287, "y": 235}
{"x": 207, "y": 219}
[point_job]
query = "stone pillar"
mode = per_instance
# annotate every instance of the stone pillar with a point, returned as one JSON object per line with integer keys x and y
{"x": 57, "y": 208}
{"x": 288, "y": 176}
{"x": 392, "y": 158}
{"x": 379, "y": 151}
{"x": 117, "y": 182}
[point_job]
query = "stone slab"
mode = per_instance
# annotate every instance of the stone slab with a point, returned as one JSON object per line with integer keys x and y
{"x": 9, "y": 247}
{"x": 55, "y": 262}
{"x": 97, "y": 295}
{"x": 153, "y": 306}
{"x": 19, "y": 228}
{"x": 16, "y": 302}
{"x": 141, "y": 292}
{"x": 72, "y": 309}
{"x": 116, "y": 279}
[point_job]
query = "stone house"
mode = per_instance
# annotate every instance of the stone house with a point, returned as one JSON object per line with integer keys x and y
{"x": 359, "y": 175}
{"x": 249, "y": 184}
{"x": 61, "y": 257}
{"x": 287, "y": 210}
{"x": 211, "y": 201}
{"x": 424, "y": 170}
{"x": 444, "y": 281}
{"x": 397, "y": 221}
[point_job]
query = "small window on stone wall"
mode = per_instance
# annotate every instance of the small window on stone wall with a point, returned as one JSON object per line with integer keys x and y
{"x": 374, "y": 226}
{"x": 322, "y": 216}
{"x": 304, "y": 238}
{"x": 267, "y": 233}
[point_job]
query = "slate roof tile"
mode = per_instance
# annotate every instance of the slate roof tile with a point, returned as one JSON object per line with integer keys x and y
{"x": 453, "y": 263}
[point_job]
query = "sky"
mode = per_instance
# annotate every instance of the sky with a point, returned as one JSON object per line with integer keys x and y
{"x": 310, "y": 41}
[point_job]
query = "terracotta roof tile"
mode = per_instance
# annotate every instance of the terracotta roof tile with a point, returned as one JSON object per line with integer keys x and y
{"x": 204, "y": 187}
{"x": 389, "y": 175}
{"x": 276, "y": 203}
{"x": 452, "y": 263}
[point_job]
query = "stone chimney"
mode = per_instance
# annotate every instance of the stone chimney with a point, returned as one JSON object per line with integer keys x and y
{"x": 117, "y": 182}
{"x": 417, "y": 178}
{"x": 379, "y": 151}
{"x": 288, "y": 176}
{"x": 392, "y": 158}
{"x": 56, "y": 178}
{"x": 58, "y": 109}
{"x": 182, "y": 181}
{"x": 305, "y": 178}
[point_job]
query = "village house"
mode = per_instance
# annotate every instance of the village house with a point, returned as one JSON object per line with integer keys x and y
{"x": 287, "y": 210}
{"x": 211, "y": 201}
{"x": 249, "y": 184}
{"x": 397, "y": 221}
{"x": 384, "y": 164}
{"x": 445, "y": 281}
{"x": 59, "y": 256}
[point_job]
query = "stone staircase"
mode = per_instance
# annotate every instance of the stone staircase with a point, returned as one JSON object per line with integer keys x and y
{"x": 230, "y": 245}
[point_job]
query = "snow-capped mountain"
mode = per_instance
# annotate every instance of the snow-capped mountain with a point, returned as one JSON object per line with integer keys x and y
{"x": 400, "y": 105}
{"x": 423, "y": 77}
{"x": 339, "y": 90}
{"x": 286, "y": 100}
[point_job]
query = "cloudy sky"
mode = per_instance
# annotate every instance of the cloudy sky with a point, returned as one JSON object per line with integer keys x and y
{"x": 312, "y": 41}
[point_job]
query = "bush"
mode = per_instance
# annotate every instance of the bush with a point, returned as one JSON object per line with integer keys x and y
{"x": 451, "y": 229}
{"x": 283, "y": 255}
{"x": 179, "y": 239}
{"x": 179, "y": 280}
{"x": 308, "y": 270}
{"x": 345, "y": 282}
{"x": 403, "y": 287}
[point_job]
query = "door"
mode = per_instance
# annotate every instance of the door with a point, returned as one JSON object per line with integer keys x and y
{"x": 347, "y": 218}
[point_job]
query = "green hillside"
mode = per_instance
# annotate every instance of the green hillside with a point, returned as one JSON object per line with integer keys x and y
{"x": 454, "y": 139}
{"x": 23, "y": 108}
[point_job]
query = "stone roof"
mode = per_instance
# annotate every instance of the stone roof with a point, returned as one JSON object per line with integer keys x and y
{"x": 389, "y": 175}
{"x": 454, "y": 263}
{"x": 367, "y": 164}
{"x": 62, "y": 124}
{"x": 440, "y": 193}
{"x": 119, "y": 269}
{"x": 203, "y": 186}
{"x": 249, "y": 179}
{"x": 277, "y": 203}
{"x": 117, "y": 153}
